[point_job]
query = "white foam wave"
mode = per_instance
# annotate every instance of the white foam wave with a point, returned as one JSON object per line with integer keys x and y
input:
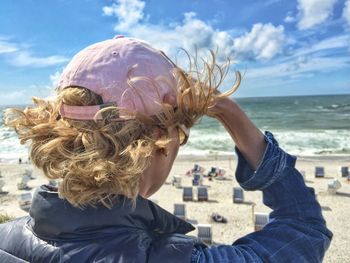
{"x": 308, "y": 142}
{"x": 217, "y": 141}
{"x": 10, "y": 148}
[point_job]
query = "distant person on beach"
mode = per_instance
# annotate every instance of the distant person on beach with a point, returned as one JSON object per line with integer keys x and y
{"x": 111, "y": 136}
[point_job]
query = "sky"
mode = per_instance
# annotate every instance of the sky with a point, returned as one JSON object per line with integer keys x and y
{"x": 281, "y": 47}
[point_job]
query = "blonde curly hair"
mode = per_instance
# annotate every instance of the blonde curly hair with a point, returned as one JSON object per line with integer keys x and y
{"x": 98, "y": 159}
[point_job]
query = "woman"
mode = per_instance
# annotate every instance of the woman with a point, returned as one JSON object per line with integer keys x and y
{"x": 111, "y": 136}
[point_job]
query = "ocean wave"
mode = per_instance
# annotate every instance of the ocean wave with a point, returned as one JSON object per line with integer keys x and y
{"x": 209, "y": 142}
{"x": 309, "y": 125}
{"x": 10, "y": 148}
{"x": 315, "y": 142}
{"x": 307, "y": 142}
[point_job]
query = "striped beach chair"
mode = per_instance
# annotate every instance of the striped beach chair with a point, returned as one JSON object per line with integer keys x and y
{"x": 197, "y": 179}
{"x": 344, "y": 171}
{"x": 2, "y": 184}
{"x": 260, "y": 220}
{"x": 319, "y": 171}
{"x": 187, "y": 194}
{"x": 205, "y": 233}
{"x": 202, "y": 193}
{"x": 180, "y": 211}
{"x": 238, "y": 195}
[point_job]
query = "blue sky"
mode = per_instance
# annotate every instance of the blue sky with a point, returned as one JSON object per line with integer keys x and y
{"x": 283, "y": 47}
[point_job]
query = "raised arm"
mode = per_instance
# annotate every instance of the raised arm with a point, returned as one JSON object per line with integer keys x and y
{"x": 297, "y": 231}
{"x": 247, "y": 137}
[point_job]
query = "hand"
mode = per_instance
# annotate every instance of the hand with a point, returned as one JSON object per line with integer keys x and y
{"x": 218, "y": 107}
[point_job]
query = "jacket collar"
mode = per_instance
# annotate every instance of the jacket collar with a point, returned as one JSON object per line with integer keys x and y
{"x": 55, "y": 218}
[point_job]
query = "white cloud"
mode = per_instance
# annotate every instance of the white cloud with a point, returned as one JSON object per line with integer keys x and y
{"x": 24, "y": 59}
{"x": 299, "y": 66}
{"x": 193, "y": 33}
{"x": 7, "y": 47}
{"x": 264, "y": 41}
{"x": 314, "y": 12}
{"x": 346, "y": 11}
{"x": 305, "y": 62}
{"x": 261, "y": 43}
{"x": 128, "y": 12}
{"x": 340, "y": 41}
{"x": 289, "y": 19}
{"x": 16, "y": 96}
{"x": 54, "y": 78}
{"x": 18, "y": 55}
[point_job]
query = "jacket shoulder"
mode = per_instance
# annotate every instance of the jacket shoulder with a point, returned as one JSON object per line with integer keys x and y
{"x": 12, "y": 234}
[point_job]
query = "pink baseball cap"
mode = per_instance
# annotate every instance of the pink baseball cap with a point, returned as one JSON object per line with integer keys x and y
{"x": 125, "y": 72}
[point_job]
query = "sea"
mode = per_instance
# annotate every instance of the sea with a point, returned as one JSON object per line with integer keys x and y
{"x": 303, "y": 126}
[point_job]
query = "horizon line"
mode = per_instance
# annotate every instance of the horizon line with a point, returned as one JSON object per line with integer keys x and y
{"x": 232, "y": 96}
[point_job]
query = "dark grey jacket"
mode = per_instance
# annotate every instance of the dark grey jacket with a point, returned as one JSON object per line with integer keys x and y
{"x": 55, "y": 231}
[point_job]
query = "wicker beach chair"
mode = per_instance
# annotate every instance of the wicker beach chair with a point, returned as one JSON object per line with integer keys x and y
{"x": 53, "y": 183}
{"x": 238, "y": 195}
{"x": 180, "y": 211}
{"x": 197, "y": 179}
{"x": 25, "y": 201}
{"x": 333, "y": 186}
{"x": 29, "y": 173}
{"x": 260, "y": 220}
{"x": 344, "y": 171}
{"x": 319, "y": 171}
{"x": 2, "y": 184}
{"x": 187, "y": 194}
{"x": 205, "y": 233}
{"x": 177, "y": 182}
{"x": 23, "y": 183}
{"x": 202, "y": 193}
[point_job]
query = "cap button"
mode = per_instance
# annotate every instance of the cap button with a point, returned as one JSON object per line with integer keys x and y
{"x": 118, "y": 36}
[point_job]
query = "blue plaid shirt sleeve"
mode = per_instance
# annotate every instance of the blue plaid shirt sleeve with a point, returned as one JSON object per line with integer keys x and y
{"x": 297, "y": 231}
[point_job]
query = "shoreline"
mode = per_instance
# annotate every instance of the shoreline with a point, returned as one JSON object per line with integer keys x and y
{"x": 213, "y": 157}
{"x": 233, "y": 156}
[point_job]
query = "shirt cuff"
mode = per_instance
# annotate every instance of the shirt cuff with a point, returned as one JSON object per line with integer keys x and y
{"x": 270, "y": 169}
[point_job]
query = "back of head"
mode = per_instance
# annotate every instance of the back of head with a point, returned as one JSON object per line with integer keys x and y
{"x": 97, "y": 134}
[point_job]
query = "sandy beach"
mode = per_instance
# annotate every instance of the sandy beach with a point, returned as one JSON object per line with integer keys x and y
{"x": 336, "y": 208}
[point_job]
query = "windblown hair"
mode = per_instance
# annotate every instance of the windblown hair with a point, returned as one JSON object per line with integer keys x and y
{"x": 98, "y": 159}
